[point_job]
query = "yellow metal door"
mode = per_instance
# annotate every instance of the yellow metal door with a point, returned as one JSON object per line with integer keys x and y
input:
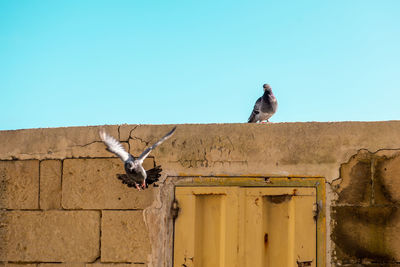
{"x": 240, "y": 226}
{"x": 206, "y": 228}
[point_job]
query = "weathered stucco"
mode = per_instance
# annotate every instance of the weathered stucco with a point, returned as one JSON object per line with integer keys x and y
{"x": 366, "y": 215}
{"x": 64, "y": 178}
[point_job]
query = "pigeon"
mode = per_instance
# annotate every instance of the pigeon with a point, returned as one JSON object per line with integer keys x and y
{"x": 265, "y": 106}
{"x": 136, "y": 175}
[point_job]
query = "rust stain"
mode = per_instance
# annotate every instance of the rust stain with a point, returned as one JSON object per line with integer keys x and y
{"x": 175, "y": 209}
{"x": 278, "y": 199}
{"x": 303, "y": 263}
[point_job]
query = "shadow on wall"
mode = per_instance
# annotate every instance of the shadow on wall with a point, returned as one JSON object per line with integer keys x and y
{"x": 366, "y": 215}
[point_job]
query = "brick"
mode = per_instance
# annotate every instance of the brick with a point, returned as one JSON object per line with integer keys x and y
{"x": 50, "y": 236}
{"x": 62, "y": 265}
{"x": 92, "y": 184}
{"x": 50, "y": 184}
{"x": 19, "y": 184}
{"x": 124, "y": 237}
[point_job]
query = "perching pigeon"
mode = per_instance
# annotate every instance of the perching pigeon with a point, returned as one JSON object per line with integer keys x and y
{"x": 136, "y": 175}
{"x": 265, "y": 106}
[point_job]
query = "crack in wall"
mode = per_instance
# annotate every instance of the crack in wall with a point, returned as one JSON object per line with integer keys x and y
{"x": 88, "y": 144}
{"x": 141, "y": 140}
{"x": 131, "y": 131}
{"x": 205, "y": 163}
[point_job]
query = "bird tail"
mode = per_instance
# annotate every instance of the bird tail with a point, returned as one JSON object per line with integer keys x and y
{"x": 153, "y": 175}
{"x": 252, "y": 118}
{"x": 126, "y": 180}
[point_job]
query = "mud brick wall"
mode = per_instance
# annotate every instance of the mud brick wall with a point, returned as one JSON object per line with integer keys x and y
{"x": 61, "y": 204}
{"x": 71, "y": 211}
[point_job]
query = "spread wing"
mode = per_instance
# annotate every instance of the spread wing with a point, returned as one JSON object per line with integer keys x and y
{"x": 114, "y": 146}
{"x": 148, "y": 150}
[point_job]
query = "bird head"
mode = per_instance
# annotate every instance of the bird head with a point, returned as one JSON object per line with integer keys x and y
{"x": 267, "y": 88}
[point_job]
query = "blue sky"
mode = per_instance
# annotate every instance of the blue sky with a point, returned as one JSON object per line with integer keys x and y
{"x": 77, "y": 63}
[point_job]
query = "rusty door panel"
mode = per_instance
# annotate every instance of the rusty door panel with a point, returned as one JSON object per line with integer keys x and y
{"x": 279, "y": 227}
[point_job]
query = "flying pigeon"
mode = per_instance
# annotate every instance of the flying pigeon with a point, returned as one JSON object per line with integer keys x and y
{"x": 136, "y": 175}
{"x": 265, "y": 106}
